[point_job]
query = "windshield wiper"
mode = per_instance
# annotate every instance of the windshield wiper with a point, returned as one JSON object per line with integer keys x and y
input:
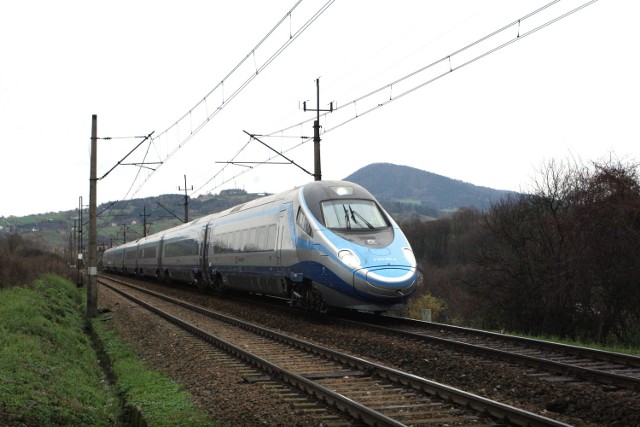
{"x": 346, "y": 217}
{"x": 355, "y": 213}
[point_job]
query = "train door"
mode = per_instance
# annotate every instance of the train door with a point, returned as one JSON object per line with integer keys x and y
{"x": 282, "y": 221}
{"x": 204, "y": 279}
{"x": 286, "y": 255}
{"x": 160, "y": 273}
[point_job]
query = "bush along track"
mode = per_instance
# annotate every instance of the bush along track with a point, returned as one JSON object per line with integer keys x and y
{"x": 52, "y": 376}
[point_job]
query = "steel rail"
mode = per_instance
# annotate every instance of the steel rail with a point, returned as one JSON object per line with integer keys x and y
{"x": 556, "y": 367}
{"x": 324, "y": 394}
{"x": 495, "y": 409}
{"x": 606, "y": 356}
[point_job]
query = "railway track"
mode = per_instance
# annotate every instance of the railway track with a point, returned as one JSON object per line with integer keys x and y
{"x": 547, "y": 359}
{"x": 369, "y": 393}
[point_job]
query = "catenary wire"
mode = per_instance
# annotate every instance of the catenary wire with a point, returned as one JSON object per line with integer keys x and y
{"x": 444, "y": 60}
{"x": 225, "y": 101}
{"x": 292, "y": 36}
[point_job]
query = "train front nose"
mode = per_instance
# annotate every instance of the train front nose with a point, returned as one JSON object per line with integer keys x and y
{"x": 387, "y": 283}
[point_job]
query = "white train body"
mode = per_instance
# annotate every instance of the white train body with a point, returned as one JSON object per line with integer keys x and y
{"x": 324, "y": 244}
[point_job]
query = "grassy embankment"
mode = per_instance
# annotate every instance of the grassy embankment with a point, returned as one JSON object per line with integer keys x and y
{"x": 51, "y": 375}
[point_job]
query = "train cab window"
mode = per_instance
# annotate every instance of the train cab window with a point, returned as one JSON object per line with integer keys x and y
{"x": 353, "y": 214}
{"x": 303, "y": 222}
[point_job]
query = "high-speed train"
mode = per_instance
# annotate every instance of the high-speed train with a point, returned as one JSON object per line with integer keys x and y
{"x": 322, "y": 245}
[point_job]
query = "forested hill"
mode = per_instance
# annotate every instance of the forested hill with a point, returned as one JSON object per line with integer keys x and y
{"x": 428, "y": 192}
{"x": 403, "y": 191}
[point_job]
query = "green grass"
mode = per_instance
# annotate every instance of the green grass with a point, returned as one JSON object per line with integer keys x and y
{"x": 624, "y": 349}
{"x": 50, "y": 374}
{"x": 162, "y": 400}
{"x": 634, "y": 351}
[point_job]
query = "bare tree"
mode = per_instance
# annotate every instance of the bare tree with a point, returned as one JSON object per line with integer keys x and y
{"x": 563, "y": 260}
{"x": 606, "y": 238}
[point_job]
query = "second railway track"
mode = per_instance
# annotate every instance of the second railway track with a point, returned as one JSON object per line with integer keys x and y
{"x": 609, "y": 368}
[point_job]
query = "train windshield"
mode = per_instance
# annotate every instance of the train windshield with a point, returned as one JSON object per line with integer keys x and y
{"x": 353, "y": 214}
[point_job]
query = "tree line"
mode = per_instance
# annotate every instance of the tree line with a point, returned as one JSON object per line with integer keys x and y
{"x": 22, "y": 261}
{"x": 561, "y": 260}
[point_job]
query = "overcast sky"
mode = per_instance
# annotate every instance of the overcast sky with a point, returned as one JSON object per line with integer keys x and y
{"x": 569, "y": 90}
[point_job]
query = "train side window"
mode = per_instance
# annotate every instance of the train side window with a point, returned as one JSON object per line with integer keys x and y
{"x": 227, "y": 245}
{"x": 168, "y": 249}
{"x": 271, "y": 238}
{"x": 245, "y": 240}
{"x": 149, "y": 252}
{"x": 228, "y": 242}
{"x": 237, "y": 235}
{"x": 262, "y": 238}
{"x": 215, "y": 244}
{"x": 251, "y": 243}
{"x": 303, "y": 222}
{"x": 224, "y": 245}
{"x": 185, "y": 247}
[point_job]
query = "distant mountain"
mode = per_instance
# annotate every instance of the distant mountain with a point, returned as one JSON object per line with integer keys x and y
{"x": 429, "y": 193}
{"x": 403, "y": 191}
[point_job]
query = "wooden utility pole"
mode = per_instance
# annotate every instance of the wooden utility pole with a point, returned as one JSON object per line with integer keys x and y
{"x": 92, "y": 288}
{"x": 317, "y": 170}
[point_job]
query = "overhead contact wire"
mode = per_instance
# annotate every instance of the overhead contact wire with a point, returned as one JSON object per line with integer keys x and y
{"x": 450, "y": 69}
{"x": 226, "y": 101}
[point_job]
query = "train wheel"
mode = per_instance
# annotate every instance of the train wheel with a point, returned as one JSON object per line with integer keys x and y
{"x": 200, "y": 282}
{"x": 216, "y": 284}
{"x": 316, "y": 301}
{"x": 308, "y": 297}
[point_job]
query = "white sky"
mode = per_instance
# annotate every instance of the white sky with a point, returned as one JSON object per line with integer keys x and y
{"x": 570, "y": 90}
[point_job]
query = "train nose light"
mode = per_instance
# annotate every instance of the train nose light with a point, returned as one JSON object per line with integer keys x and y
{"x": 349, "y": 259}
{"x": 408, "y": 254}
{"x": 343, "y": 191}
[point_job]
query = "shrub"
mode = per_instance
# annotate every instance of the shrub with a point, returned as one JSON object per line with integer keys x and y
{"x": 21, "y": 262}
{"x": 426, "y": 302}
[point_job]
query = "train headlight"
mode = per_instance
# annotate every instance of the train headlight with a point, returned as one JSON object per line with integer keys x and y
{"x": 408, "y": 254}
{"x": 350, "y": 259}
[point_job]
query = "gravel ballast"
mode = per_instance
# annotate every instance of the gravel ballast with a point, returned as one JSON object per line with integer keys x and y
{"x": 230, "y": 399}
